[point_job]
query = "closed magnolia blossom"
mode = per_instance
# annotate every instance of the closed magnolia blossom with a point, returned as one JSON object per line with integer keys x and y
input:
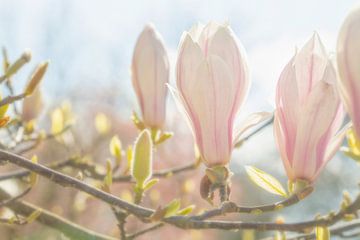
{"x": 212, "y": 82}
{"x": 32, "y": 106}
{"x": 150, "y": 73}
{"x": 348, "y": 60}
{"x": 308, "y": 113}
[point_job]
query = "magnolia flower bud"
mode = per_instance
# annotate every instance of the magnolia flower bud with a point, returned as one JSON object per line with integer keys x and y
{"x": 141, "y": 169}
{"x": 32, "y": 106}
{"x": 36, "y": 77}
{"x": 212, "y": 82}
{"x": 19, "y": 63}
{"x": 348, "y": 60}
{"x": 150, "y": 73}
{"x": 308, "y": 112}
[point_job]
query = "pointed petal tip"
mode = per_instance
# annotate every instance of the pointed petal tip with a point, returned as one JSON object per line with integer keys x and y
{"x": 149, "y": 27}
{"x": 145, "y": 135}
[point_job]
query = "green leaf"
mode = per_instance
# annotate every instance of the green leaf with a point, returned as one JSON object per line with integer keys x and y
{"x": 149, "y": 184}
{"x": 172, "y": 208}
{"x": 115, "y": 148}
{"x": 33, "y": 176}
{"x": 108, "y": 177}
{"x": 142, "y": 158}
{"x": 248, "y": 234}
{"x": 11, "y": 220}
{"x": 265, "y": 181}
{"x": 36, "y": 78}
{"x": 3, "y": 109}
{"x": 137, "y": 122}
{"x": 19, "y": 63}
{"x": 186, "y": 211}
{"x": 322, "y": 233}
{"x": 351, "y": 154}
{"x": 129, "y": 158}
{"x": 57, "y": 121}
{"x": 163, "y": 137}
{"x": 33, "y": 216}
{"x": 280, "y": 235}
{"x": 102, "y": 123}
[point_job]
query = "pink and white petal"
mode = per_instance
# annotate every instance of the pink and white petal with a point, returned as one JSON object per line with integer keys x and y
{"x": 196, "y": 30}
{"x": 181, "y": 105}
{"x": 330, "y": 77}
{"x": 329, "y": 134}
{"x": 207, "y": 33}
{"x": 287, "y": 104}
{"x": 251, "y": 121}
{"x": 348, "y": 58}
{"x": 225, "y": 44}
{"x": 332, "y": 148}
{"x": 189, "y": 58}
{"x": 212, "y": 97}
{"x": 281, "y": 142}
{"x": 150, "y": 72}
{"x": 317, "y": 115}
{"x": 310, "y": 64}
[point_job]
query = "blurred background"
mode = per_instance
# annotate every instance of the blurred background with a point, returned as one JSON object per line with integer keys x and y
{"x": 89, "y": 44}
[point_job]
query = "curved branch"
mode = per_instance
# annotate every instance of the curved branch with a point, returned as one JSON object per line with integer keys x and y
{"x": 230, "y": 207}
{"x": 179, "y": 221}
{"x": 23, "y": 173}
{"x": 335, "y": 231}
{"x": 10, "y": 200}
{"x": 47, "y": 218}
{"x": 93, "y": 173}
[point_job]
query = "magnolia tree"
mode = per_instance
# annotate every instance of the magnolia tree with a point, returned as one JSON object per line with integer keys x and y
{"x": 313, "y": 95}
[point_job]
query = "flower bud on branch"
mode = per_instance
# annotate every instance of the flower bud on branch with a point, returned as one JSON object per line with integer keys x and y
{"x": 308, "y": 113}
{"x": 150, "y": 73}
{"x": 212, "y": 82}
{"x": 348, "y": 61}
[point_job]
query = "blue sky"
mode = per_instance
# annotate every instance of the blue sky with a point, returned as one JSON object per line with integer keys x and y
{"x": 90, "y": 42}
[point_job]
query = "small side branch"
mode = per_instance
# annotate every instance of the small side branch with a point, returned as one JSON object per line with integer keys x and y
{"x": 144, "y": 231}
{"x": 230, "y": 207}
{"x": 47, "y": 218}
{"x": 179, "y": 221}
{"x": 341, "y": 231}
{"x": 11, "y": 99}
{"x": 12, "y": 199}
{"x": 91, "y": 170}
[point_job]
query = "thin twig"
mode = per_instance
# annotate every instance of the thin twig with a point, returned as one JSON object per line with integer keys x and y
{"x": 121, "y": 219}
{"x": 335, "y": 231}
{"x": 90, "y": 171}
{"x": 11, "y": 99}
{"x": 35, "y": 140}
{"x": 179, "y": 221}
{"x": 13, "y": 221}
{"x": 10, "y": 200}
{"x": 230, "y": 207}
{"x": 47, "y": 218}
{"x": 12, "y": 92}
{"x": 257, "y": 130}
{"x": 144, "y": 231}
{"x": 23, "y": 173}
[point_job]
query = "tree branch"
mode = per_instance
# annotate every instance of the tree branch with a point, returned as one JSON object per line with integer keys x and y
{"x": 11, "y": 99}
{"x": 10, "y": 200}
{"x": 47, "y": 218}
{"x": 230, "y": 207}
{"x": 335, "y": 231}
{"x": 144, "y": 231}
{"x": 91, "y": 169}
{"x": 179, "y": 221}
{"x": 23, "y": 173}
